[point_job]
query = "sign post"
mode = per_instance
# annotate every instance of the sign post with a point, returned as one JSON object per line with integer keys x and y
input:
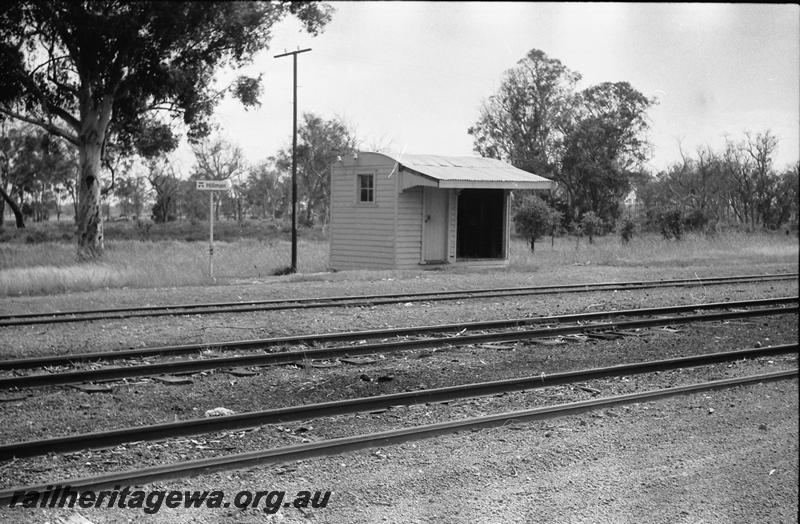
{"x": 211, "y": 186}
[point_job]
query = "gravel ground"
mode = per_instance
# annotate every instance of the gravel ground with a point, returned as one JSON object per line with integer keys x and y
{"x": 668, "y": 461}
{"x": 672, "y": 460}
{"x": 40, "y": 412}
{"x": 107, "y": 335}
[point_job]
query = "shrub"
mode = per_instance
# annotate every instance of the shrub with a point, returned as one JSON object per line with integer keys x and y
{"x": 591, "y": 224}
{"x": 670, "y": 223}
{"x": 554, "y": 220}
{"x": 626, "y": 228}
{"x": 696, "y": 220}
{"x": 143, "y": 229}
{"x": 533, "y": 218}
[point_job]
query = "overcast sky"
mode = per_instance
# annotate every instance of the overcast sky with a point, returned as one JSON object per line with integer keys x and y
{"x": 412, "y": 76}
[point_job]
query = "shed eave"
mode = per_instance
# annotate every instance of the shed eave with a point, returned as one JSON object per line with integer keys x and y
{"x": 466, "y": 173}
{"x": 411, "y": 178}
{"x": 495, "y": 184}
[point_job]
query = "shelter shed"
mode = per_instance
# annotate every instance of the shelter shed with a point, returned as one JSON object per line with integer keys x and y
{"x": 420, "y": 210}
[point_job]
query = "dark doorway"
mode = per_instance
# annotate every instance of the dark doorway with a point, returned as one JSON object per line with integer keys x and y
{"x": 481, "y": 216}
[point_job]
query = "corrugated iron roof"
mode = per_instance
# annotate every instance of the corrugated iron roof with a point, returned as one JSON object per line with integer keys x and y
{"x": 467, "y": 171}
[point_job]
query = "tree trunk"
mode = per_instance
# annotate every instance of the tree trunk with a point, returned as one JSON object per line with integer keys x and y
{"x": 14, "y": 207}
{"x": 95, "y": 117}
{"x": 533, "y": 247}
{"x": 90, "y": 221}
{"x": 74, "y": 197}
{"x": 309, "y": 212}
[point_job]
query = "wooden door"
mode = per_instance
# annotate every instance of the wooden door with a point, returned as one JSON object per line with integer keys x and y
{"x": 434, "y": 216}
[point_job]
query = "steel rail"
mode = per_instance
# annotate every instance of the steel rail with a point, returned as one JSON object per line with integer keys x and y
{"x": 109, "y": 438}
{"x": 235, "y": 345}
{"x": 364, "y": 300}
{"x": 193, "y": 365}
{"x": 337, "y": 446}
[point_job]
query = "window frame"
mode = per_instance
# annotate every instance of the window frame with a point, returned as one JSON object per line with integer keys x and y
{"x": 370, "y": 189}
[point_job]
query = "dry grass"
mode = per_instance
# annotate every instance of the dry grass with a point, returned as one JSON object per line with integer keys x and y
{"x": 653, "y": 251}
{"x": 50, "y": 267}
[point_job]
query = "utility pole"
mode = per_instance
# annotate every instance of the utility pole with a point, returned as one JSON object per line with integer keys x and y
{"x": 294, "y": 159}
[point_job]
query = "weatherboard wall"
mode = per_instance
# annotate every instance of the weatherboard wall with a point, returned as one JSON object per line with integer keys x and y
{"x": 362, "y": 235}
{"x": 409, "y": 228}
{"x": 389, "y": 233}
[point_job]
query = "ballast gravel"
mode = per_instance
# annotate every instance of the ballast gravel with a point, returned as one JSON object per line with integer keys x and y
{"x": 723, "y": 456}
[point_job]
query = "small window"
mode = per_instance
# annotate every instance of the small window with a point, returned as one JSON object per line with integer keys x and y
{"x": 366, "y": 188}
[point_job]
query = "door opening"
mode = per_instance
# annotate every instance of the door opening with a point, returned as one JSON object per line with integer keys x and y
{"x": 481, "y": 221}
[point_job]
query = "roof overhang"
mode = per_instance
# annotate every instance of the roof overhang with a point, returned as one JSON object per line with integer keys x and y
{"x": 452, "y": 172}
{"x": 471, "y": 178}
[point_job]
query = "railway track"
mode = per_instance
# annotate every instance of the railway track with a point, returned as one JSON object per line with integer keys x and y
{"x": 459, "y": 339}
{"x": 340, "y": 445}
{"x": 365, "y": 300}
{"x": 111, "y": 438}
{"x": 349, "y": 336}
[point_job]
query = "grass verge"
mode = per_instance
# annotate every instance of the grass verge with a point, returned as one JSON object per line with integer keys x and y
{"x": 50, "y": 267}
{"x": 651, "y": 250}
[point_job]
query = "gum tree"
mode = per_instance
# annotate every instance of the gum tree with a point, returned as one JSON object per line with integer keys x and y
{"x": 34, "y": 169}
{"x": 523, "y": 122}
{"x": 591, "y": 142}
{"x": 89, "y": 71}
{"x": 604, "y": 148}
{"x": 320, "y": 142}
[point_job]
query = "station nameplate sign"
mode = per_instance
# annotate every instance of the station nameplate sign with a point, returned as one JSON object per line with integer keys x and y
{"x": 213, "y": 185}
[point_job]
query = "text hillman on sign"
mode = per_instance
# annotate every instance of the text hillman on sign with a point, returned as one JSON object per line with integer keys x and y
{"x": 213, "y": 185}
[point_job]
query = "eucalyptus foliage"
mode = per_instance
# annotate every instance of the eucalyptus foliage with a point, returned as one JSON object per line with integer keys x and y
{"x": 91, "y": 71}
